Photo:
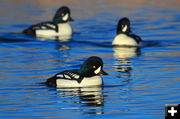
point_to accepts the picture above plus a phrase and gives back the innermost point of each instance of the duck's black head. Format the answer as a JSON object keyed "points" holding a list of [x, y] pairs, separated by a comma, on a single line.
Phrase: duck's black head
{"points": [[124, 26], [91, 67], [62, 15]]}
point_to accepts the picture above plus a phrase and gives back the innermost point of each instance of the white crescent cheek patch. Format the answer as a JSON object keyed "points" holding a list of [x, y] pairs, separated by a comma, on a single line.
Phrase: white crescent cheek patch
{"points": [[125, 28], [97, 70], [65, 18]]}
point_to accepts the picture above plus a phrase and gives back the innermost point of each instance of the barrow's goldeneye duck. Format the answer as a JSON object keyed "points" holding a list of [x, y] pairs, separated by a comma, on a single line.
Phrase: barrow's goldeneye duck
{"points": [[88, 75], [124, 34], [57, 27]]}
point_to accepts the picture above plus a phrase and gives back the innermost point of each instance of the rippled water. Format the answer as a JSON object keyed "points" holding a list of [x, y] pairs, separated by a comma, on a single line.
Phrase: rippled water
{"points": [[140, 81]]}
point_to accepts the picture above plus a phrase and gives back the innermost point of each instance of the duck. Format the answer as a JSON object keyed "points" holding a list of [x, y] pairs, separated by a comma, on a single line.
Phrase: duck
{"points": [[59, 25], [88, 75], [124, 35]]}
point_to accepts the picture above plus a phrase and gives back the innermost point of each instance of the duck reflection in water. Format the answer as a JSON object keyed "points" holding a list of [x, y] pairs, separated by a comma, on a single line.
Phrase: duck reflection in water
{"points": [[123, 54], [88, 96], [63, 38]]}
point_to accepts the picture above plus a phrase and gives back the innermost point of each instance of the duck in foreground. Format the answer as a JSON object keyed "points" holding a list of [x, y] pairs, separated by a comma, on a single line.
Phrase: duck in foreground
{"points": [[57, 27], [124, 34], [88, 75]]}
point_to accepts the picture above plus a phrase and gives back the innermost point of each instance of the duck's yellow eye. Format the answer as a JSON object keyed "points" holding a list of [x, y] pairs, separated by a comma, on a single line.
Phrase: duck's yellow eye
{"points": [[62, 14], [94, 67]]}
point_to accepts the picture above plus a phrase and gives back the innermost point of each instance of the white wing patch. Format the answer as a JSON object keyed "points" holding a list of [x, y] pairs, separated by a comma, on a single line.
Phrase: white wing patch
{"points": [[76, 76], [51, 25], [97, 70], [125, 28], [65, 18], [60, 75], [67, 77], [43, 27]]}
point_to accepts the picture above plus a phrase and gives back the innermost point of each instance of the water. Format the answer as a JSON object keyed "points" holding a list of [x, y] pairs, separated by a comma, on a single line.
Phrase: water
{"points": [[140, 81]]}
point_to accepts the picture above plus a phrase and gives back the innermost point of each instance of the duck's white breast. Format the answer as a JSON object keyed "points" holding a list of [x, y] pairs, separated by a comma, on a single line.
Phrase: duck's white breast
{"points": [[65, 29], [86, 82], [124, 40]]}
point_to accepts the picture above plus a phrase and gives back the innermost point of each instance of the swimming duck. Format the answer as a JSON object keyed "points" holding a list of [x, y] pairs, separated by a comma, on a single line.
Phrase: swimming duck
{"points": [[57, 27], [124, 34], [88, 75]]}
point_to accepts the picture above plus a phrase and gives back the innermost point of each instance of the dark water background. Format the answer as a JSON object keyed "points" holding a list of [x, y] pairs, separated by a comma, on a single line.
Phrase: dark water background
{"points": [[140, 81]]}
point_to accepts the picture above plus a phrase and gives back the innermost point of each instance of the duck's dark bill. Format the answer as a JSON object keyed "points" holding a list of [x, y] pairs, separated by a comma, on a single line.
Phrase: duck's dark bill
{"points": [[103, 73], [130, 31], [70, 19]]}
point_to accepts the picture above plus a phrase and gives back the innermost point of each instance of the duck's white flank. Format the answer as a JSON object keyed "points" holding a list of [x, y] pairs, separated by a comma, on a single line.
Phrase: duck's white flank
{"points": [[124, 40], [86, 82], [64, 29]]}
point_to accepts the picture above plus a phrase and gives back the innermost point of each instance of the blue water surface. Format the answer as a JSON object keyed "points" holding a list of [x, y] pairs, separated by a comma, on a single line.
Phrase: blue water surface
{"points": [[140, 81]]}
